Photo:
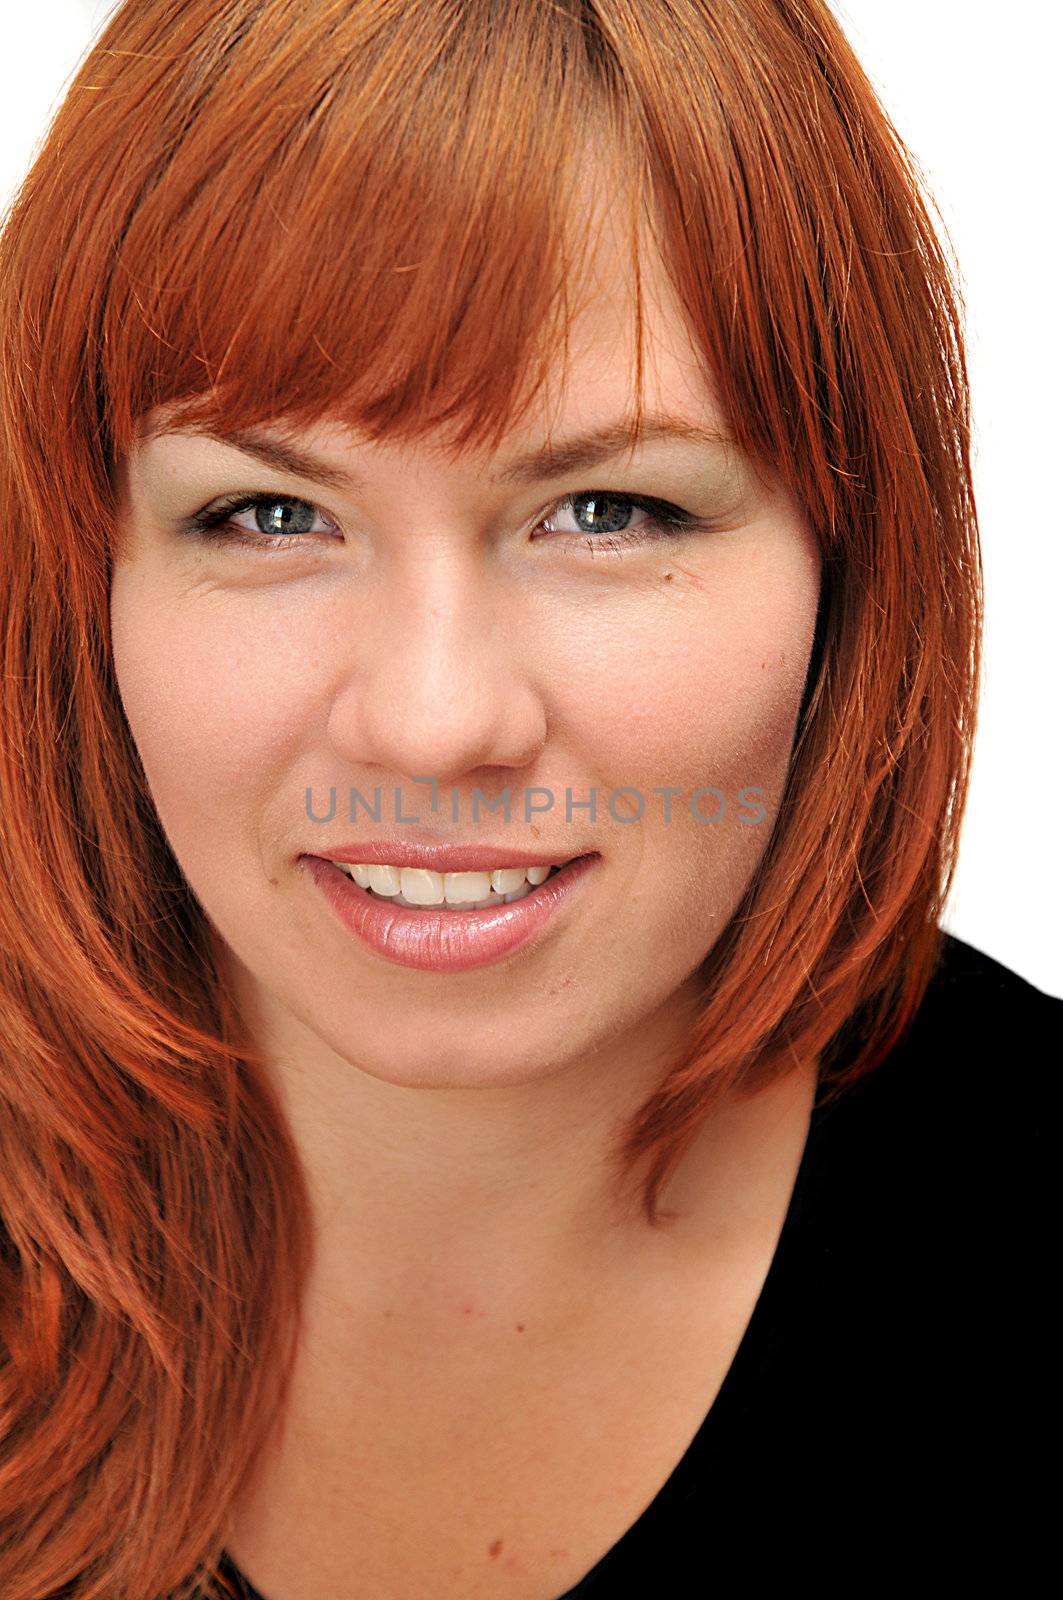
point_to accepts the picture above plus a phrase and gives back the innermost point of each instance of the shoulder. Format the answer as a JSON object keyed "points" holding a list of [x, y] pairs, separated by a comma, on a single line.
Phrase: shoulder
{"points": [[944, 1151], [983, 1048], [946, 1145], [975, 991]]}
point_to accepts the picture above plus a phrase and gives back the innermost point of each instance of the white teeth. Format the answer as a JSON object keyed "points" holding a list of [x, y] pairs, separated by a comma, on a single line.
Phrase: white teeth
{"points": [[385, 880], [415, 886]]}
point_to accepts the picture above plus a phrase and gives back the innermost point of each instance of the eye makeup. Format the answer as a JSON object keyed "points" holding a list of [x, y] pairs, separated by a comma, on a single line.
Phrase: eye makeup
{"points": [[215, 525]]}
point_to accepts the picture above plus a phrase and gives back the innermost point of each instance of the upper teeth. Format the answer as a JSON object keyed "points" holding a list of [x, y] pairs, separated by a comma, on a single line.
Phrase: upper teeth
{"points": [[423, 888]]}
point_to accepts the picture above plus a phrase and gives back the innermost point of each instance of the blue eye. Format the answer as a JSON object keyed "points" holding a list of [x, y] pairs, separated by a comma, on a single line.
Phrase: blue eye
{"points": [[283, 532], [283, 522], [604, 507]]}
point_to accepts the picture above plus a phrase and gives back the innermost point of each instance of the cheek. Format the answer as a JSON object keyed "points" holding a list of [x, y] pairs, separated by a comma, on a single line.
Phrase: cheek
{"points": [[701, 686], [697, 690], [213, 706]]}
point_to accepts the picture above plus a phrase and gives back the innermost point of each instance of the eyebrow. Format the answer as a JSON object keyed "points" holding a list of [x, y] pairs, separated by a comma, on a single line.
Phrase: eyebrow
{"points": [[582, 450], [604, 443]]}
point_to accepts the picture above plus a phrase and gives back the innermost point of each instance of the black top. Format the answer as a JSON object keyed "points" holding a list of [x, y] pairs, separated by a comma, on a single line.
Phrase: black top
{"points": [[887, 1407]]}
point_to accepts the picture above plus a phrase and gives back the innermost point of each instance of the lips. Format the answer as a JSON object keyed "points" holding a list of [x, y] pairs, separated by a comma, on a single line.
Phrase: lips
{"points": [[444, 857], [441, 940]]}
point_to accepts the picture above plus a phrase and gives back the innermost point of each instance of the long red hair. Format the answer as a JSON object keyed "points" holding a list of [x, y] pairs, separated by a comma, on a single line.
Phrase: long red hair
{"points": [[257, 208]]}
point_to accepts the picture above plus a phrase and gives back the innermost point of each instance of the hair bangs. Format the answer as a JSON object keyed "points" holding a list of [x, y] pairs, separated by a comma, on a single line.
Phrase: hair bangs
{"points": [[395, 252]]}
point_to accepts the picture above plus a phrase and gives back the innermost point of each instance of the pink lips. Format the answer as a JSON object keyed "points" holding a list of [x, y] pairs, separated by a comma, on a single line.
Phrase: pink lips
{"points": [[445, 941]]}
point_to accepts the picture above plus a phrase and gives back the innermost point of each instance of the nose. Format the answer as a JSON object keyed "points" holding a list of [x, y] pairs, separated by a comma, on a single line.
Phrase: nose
{"points": [[438, 685]]}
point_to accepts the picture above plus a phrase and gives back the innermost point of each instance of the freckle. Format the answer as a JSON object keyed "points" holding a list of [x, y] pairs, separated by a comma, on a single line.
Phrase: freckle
{"points": [[494, 1549], [667, 576], [520, 1327]]}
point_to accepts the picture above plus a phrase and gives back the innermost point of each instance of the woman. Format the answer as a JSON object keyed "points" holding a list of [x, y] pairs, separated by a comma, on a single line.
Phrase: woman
{"points": [[450, 448]]}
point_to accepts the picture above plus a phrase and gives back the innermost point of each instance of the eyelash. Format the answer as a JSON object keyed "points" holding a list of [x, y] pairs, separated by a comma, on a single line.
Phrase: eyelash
{"points": [[667, 521]]}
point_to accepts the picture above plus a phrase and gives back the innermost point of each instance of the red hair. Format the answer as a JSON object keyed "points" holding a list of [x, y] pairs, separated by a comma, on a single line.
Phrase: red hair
{"points": [[248, 209]]}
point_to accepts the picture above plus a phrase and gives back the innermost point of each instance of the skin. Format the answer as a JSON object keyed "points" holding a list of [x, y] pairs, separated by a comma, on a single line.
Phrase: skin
{"points": [[453, 1126]]}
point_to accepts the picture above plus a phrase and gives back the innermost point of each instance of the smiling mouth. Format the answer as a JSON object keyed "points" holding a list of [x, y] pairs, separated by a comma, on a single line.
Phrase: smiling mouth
{"points": [[490, 901]]}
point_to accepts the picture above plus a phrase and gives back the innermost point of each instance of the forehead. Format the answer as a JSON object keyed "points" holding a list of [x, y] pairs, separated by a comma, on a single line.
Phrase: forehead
{"points": [[601, 375]]}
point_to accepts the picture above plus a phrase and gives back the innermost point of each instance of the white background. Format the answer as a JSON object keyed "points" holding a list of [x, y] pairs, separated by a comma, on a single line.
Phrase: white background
{"points": [[972, 88]]}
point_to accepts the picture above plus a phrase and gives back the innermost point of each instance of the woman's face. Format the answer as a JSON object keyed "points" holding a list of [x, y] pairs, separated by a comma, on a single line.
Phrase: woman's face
{"points": [[440, 620]]}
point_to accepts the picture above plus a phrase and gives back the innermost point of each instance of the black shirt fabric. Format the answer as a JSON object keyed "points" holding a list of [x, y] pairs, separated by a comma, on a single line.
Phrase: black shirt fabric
{"points": [[887, 1414]]}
